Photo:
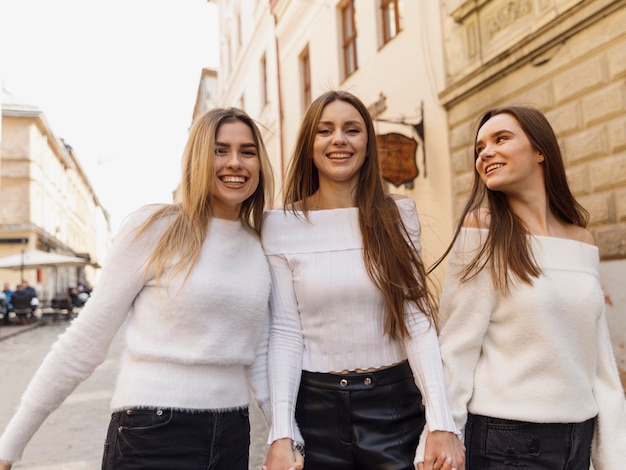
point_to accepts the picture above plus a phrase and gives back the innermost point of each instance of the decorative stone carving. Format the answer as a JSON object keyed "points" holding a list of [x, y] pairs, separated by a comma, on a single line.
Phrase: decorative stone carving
{"points": [[506, 15]]}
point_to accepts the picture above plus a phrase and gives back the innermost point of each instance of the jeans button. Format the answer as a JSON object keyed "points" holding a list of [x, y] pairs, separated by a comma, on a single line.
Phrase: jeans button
{"points": [[367, 381], [159, 412], [343, 382]]}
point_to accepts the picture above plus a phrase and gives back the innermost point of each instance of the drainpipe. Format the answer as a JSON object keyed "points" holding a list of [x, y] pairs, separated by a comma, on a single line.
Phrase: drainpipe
{"points": [[280, 95]]}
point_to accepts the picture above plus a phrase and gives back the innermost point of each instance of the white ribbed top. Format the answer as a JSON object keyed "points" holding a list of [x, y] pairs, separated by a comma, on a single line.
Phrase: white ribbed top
{"points": [[327, 315]]}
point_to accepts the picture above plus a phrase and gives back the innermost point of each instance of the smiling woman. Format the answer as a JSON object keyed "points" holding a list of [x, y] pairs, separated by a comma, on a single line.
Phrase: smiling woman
{"points": [[506, 160], [524, 335], [353, 341], [237, 167], [196, 342], [339, 150]]}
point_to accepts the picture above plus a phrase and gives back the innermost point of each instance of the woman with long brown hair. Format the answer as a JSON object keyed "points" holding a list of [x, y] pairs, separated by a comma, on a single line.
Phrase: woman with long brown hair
{"points": [[524, 339], [353, 343], [192, 283]]}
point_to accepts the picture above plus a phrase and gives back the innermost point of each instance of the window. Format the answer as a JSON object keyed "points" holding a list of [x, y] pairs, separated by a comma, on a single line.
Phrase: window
{"points": [[390, 19], [349, 38], [230, 53], [305, 78], [263, 73]]}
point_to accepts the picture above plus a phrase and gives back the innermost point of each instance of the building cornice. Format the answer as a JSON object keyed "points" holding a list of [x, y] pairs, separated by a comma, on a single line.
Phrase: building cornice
{"points": [[529, 49], [61, 149]]}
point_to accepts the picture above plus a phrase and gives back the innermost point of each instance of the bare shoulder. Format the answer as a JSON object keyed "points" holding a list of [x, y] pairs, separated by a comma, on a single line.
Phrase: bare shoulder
{"points": [[580, 234], [480, 218]]}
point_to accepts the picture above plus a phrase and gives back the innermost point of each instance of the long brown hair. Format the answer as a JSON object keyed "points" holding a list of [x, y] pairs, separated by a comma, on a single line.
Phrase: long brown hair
{"points": [[187, 230], [506, 248], [393, 264]]}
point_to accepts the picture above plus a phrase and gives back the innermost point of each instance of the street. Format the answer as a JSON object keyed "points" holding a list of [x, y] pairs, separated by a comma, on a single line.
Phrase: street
{"points": [[72, 437]]}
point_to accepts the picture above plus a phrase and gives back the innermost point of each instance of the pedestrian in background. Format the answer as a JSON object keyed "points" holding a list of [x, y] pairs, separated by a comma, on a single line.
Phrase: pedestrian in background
{"points": [[353, 343], [5, 296], [527, 354], [24, 302], [192, 283], [26, 287]]}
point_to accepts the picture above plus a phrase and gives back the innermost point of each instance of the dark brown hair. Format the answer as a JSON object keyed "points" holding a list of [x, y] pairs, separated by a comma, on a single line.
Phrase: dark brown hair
{"points": [[506, 248], [392, 262]]}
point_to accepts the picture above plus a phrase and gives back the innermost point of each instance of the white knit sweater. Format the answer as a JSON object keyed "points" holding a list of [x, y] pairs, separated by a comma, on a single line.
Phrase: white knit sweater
{"points": [[191, 346], [541, 354], [327, 315]]}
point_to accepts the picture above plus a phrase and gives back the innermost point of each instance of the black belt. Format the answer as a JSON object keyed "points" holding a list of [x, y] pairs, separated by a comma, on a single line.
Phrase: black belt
{"points": [[358, 380]]}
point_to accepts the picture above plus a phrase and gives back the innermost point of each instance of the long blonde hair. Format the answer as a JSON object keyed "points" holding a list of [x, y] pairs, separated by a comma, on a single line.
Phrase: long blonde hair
{"points": [[392, 263], [185, 233]]}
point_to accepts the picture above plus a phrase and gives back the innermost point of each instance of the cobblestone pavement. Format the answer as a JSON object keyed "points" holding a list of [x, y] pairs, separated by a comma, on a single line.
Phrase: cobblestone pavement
{"points": [[72, 437]]}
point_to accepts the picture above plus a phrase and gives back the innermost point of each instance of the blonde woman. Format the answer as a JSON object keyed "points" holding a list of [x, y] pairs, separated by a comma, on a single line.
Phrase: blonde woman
{"points": [[192, 283]]}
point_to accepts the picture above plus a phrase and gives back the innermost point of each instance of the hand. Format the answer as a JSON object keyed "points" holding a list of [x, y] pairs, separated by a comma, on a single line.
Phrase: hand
{"points": [[5, 465], [443, 463], [299, 465], [444, 451], [282, 456]]}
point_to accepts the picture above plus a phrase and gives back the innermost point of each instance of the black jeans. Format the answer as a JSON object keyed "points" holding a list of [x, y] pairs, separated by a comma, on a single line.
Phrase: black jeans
{"points": [[502, 444], [360, 421], [183, 440]]}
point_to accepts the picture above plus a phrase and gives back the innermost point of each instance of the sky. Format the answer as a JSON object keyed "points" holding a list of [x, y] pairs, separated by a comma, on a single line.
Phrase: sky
{"points": [[117, 81]]}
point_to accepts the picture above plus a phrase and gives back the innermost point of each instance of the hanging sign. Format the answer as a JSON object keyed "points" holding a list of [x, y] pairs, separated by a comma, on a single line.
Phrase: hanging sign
{"points": [[397, 158]]}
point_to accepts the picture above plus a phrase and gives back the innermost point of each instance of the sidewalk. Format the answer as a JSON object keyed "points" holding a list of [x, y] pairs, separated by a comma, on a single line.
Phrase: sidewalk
{"points": [[72, 436], [7, 331]]}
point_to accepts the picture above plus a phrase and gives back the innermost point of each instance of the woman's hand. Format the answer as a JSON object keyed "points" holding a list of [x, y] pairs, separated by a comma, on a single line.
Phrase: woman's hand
{"points": [[282, 456], [5, 466], [443, 463], [444, 451]]}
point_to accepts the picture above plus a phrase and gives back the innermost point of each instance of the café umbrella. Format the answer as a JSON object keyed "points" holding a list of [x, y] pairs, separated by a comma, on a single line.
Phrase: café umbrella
{"points": [[34, 259]]}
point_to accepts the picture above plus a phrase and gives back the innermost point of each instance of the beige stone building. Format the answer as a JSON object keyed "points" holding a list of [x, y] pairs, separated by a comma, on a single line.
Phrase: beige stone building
{"points": [[46, 201], [435, 66], [206, 97]]}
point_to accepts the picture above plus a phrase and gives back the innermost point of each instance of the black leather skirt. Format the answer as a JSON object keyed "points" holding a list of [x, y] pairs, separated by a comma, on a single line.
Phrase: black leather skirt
{"points": [[369, 420]]}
